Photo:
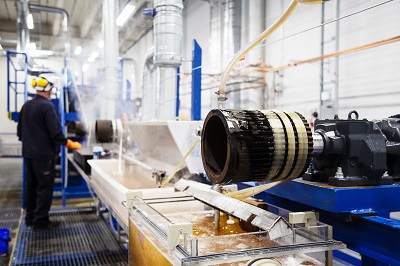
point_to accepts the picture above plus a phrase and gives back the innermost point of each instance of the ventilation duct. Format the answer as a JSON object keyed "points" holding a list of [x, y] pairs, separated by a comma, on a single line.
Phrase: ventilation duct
{"points": [[22, 25], [168, 32]]}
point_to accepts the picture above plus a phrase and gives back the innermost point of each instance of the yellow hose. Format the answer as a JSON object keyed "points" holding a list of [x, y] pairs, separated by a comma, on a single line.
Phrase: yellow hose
{"points": [[179, 164], [261, 37], [251, 191]]}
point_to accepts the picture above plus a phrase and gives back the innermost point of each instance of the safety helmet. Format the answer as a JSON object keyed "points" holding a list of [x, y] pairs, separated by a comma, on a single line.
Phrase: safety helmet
{"points": [[43, 83]]}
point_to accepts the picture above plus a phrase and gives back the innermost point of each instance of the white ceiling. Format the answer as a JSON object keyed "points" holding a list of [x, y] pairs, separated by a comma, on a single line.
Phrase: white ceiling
{"points": [[85, 24]]}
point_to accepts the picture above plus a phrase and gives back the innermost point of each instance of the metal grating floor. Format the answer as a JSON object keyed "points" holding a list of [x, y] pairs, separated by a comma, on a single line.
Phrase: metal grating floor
{"points": [[10, 198], [82, 239], [10, 209]]}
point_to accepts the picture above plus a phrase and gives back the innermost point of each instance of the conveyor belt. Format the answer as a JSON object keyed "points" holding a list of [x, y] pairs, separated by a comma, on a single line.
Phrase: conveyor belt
{"points": [[82, 239]]}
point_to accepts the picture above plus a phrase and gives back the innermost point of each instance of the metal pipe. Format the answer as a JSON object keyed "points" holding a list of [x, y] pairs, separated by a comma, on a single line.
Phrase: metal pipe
{"points": [[111, 49], [22, 26], [337, 30], [231, 42], [65, 15], [168, 32], [149, 97], [216, 34]]}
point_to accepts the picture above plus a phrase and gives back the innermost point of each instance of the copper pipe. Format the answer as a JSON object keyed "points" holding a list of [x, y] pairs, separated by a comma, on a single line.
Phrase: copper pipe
{"points": [[338, 53]]}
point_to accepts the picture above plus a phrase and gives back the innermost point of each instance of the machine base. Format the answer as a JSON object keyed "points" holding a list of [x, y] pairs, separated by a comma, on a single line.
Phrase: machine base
{"points": [[357, 181]]}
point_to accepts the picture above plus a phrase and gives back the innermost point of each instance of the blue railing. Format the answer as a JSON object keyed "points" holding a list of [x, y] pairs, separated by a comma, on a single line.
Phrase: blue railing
{"points": [[16, 82]]}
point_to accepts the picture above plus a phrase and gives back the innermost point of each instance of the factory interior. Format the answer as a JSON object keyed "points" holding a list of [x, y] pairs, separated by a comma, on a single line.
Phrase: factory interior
{"points": [[206, 132]]}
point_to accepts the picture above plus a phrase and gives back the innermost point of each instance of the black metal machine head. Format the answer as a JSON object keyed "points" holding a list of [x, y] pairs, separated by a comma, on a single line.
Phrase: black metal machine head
{"points": [[278, 145]]}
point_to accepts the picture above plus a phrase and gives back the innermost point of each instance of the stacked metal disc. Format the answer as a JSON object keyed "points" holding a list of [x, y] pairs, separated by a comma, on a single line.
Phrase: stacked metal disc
{"points": [[245, 145]]}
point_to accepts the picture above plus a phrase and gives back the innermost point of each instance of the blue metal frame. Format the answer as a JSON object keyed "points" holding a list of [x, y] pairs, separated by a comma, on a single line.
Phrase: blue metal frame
{"points": [[178, 100], [14, 83], [76, 191], [196, 81], [359, 215]]}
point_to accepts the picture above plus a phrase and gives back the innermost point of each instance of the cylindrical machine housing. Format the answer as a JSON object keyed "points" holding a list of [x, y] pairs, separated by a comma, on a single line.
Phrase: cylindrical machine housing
{"points": [[108, 131], [255, 145]]}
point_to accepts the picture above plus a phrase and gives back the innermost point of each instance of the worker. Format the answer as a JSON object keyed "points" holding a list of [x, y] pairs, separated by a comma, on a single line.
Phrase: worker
{"points": [[41, 134]]}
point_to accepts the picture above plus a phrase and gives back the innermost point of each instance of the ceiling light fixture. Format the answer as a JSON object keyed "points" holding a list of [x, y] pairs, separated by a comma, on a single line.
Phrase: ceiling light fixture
{"points": [[94, 55], [30, 22], [85, 67], [126, 13], [78, 50]]}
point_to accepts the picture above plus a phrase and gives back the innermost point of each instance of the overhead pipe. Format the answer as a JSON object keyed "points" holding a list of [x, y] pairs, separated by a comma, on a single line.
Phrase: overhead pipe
{"points": [[216, 34], [65, 20], [111, 64], [22, 26], [225, 75], [253, 98], [231, 41], [168, 33]]}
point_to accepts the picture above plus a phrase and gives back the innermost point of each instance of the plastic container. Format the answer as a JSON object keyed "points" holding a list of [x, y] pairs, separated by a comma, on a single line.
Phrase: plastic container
{"points": [[4, 239]]}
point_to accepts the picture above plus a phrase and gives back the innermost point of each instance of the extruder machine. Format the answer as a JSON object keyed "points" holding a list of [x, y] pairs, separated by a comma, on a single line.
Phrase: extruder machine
{"points": [[350, 171], [191, 221]]}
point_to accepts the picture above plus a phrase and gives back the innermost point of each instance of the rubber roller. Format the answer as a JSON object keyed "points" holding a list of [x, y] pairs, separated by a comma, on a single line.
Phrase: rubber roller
{"points": [[268, 145]]}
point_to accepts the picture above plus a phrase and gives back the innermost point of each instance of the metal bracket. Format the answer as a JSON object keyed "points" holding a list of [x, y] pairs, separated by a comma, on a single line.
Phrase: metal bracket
{"points": [[174, 232], [309, 218], [131, 196]]}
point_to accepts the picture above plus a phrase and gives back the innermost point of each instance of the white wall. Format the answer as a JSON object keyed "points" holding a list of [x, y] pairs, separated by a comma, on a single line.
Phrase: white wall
{"points": [[368, 80]]}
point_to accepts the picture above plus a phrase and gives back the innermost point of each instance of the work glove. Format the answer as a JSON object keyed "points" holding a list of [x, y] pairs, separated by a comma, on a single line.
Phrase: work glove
{"points": [[74, 145]]}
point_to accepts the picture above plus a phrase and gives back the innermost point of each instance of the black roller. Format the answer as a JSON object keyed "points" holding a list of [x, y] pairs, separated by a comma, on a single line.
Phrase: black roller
{"points": [[236, 146], [255, 145], [104, 131]]}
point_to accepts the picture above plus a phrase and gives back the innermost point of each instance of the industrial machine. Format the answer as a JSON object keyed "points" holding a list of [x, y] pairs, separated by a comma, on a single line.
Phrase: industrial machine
{"points": [[178, 224], [278, 145], [350, 170]]}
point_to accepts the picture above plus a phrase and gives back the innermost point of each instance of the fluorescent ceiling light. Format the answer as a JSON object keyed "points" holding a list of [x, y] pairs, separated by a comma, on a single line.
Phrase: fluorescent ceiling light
{"points": [[91, 59], [101, 44], [125, 14], [85, 67], [94, 55], [78, 50], [30, 22]]}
